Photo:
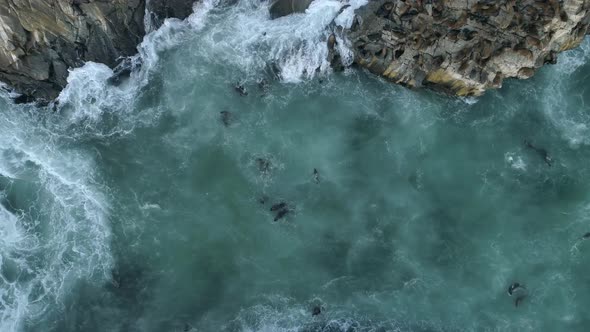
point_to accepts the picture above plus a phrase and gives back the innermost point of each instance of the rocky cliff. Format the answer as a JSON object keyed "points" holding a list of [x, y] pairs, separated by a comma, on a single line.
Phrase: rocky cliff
{"points": [[465, 46], [460, 46], [41, 39]]}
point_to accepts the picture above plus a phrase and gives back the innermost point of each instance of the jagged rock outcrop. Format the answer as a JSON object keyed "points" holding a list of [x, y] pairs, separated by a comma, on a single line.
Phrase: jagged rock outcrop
{"points": [[460, 46], [41, 39], [464, 46]]}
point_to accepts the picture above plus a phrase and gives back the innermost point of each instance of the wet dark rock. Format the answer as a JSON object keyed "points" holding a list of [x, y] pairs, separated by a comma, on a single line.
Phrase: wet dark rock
{"points": [[24, 99], [281, 8], [123, 71], [163, 9]]}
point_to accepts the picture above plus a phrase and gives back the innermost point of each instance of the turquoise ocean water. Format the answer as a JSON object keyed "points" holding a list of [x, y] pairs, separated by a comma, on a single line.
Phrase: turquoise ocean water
{"points": [[136, 208]]}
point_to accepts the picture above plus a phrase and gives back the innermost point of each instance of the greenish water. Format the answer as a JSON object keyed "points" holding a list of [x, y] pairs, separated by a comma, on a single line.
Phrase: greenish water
{"points": [[134, 208]]}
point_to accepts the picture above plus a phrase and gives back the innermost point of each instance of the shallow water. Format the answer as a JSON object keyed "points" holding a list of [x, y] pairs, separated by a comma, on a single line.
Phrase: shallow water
{"points": [[134, 208]]}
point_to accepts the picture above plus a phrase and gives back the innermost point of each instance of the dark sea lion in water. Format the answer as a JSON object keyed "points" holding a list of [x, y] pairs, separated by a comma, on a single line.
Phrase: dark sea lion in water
{"points": [[282, 209], [278, 206], [262, 200], [540, 151], [264, 165], [226, 118], [514, 287], [586, 236], [316, 310], [316, 176], [282, 213], [240, 89]]}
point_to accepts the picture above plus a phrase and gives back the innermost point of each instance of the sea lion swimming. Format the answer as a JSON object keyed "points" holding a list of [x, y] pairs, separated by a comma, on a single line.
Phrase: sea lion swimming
{"points": [[263, 199], [316, 176], [316, 310], [240, 89], [281, 209], [264, 165], [514, 287], [226, 117], [519, 290], [281, 214], [278, 206], [540, 151]]}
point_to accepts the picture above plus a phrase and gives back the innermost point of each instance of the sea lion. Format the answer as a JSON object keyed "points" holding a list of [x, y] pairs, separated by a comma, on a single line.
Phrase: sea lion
{"points": [[264, 165], [331, 41], [281, 214], [263, 199], [226, 118], [316, 176], [278, 206], [586, 236], [316, 310], [241, 89], [514, 287], [540, 151]]}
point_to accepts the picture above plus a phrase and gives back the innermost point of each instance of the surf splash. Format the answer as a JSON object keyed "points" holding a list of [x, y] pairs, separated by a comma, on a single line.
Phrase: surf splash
{"points": [[54, 227]]}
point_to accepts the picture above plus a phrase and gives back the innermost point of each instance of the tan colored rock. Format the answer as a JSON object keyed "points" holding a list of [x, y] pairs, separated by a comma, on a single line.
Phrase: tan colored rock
{"points": [[466, 47]]}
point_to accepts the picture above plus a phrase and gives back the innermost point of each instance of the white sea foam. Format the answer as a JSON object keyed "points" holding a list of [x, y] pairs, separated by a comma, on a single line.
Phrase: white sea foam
{"points": [[58, 234], [515, 161], [571, 116], [297, 43]]}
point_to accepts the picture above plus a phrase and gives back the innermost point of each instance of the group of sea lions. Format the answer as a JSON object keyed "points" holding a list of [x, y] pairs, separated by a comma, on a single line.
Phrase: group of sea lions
{"points": [[516, 288], [281, 208]]}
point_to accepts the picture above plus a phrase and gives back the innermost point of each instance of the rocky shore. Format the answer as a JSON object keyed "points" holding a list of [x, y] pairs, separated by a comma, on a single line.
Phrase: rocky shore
{"points": [[458, 46], [465, 47], [41, 39]]}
